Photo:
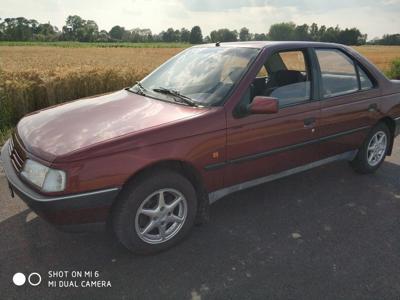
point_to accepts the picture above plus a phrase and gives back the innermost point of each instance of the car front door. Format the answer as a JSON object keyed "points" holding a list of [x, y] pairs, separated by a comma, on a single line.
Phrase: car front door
{"points": [[348, 102], [259, 145]]}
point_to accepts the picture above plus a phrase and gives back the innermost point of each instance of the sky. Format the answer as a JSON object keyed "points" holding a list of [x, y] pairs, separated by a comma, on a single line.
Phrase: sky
{"points": [[374, 17]]}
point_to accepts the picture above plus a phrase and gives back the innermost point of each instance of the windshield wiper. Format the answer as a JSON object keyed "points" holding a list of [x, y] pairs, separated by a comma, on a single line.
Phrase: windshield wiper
{"points": [[172, 92]]}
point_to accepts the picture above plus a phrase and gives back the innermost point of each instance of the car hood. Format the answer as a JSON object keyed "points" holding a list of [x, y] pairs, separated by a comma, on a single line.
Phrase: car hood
{"points": [[60, 130]]}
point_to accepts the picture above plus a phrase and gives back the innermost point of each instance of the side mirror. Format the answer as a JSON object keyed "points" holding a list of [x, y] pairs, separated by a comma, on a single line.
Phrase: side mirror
{"points": [[264, 105]]}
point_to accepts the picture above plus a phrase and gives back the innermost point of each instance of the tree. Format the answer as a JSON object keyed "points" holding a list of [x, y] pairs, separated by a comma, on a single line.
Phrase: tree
{"points": [[73, 27], [260, 37], [117, 32], [314, 34], [351, 36], [103, 36], [301, 33], [18, 29], [244, 34], [330, 35], [321, 32], [90, 31], [223, 35], [196, 37], [78, 29], [22, 29], [389, 39], [282, 32], [362, 40], [177, 36], [46, 32], [141, 35], [170, 35], [185, 35], [45, 29]]}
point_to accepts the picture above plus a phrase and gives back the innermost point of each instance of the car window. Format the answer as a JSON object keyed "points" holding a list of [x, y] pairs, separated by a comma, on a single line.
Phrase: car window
{"points": [[262, 73], [294, 60], [204, 74], [288, 78], [365, 82], [338, 73]]}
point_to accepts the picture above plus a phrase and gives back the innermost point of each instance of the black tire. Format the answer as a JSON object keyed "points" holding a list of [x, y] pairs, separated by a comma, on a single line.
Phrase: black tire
{"points": [[361, 163], [125, 219]]}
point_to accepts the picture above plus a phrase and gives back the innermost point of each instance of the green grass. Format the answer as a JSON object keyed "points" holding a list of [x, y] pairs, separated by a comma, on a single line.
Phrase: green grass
{"points": [[5, 133], [98, 45], [394, 70]]}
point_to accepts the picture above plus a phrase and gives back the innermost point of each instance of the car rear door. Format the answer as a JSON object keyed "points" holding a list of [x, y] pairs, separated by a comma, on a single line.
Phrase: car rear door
{"points": [[260, 145], [348, 101]]}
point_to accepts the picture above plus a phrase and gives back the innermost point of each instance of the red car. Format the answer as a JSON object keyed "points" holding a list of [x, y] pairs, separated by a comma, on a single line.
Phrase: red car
{"points": [[212, 120]]}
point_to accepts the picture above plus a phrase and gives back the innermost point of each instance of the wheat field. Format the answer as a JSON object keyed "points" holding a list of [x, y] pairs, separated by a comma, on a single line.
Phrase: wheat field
{"points": [[51, 61], [33, 77]]}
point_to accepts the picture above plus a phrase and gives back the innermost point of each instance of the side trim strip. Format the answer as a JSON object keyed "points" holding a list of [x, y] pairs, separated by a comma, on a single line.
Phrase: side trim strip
{"points": [[271, 152], [83, 195], [329, 137], [215, 166], [282, 149], [216, 195]]}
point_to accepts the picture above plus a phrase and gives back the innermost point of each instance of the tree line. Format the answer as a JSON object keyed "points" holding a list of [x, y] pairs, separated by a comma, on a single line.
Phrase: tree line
{"points": [[79, 29], [387, 39]]}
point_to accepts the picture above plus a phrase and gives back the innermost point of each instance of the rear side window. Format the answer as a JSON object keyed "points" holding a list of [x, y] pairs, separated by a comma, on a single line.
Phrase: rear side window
{"points": [[338, 73], [294, 60], [262, 73], [365, 82]]}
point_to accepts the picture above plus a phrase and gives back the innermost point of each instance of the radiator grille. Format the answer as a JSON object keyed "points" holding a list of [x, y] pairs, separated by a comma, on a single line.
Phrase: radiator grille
{"points": [[17, 154]]}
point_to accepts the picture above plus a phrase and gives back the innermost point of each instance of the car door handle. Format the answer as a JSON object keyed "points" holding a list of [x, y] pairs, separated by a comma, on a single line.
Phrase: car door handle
{"points": [[373, 107], [309, 122]]}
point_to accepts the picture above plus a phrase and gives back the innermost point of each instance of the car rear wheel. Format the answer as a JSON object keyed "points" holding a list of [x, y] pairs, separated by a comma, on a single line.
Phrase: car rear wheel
{"points": [[155, 212], [373, 151]]}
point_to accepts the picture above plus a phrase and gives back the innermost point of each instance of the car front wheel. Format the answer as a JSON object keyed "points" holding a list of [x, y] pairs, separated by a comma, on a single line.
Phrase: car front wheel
{"points": [[373, 151], [155, 213]]}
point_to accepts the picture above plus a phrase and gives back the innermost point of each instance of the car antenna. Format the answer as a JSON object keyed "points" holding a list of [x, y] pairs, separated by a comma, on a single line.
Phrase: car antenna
{"points": [[217, 44]]}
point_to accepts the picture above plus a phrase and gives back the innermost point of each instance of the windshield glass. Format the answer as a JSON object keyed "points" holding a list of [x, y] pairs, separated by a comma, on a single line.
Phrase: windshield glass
{"points": [[205, 75]]}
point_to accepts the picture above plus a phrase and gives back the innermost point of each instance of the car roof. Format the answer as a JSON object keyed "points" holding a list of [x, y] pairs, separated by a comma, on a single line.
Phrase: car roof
{"points": [[268, 44]]}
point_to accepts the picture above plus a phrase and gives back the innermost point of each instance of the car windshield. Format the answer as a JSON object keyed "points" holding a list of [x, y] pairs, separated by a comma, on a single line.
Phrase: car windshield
{"points": [[202, 75]]}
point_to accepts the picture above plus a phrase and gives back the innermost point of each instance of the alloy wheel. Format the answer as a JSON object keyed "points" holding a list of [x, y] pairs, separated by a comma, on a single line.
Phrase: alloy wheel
{"points": [[376, 148], [161, 216]]}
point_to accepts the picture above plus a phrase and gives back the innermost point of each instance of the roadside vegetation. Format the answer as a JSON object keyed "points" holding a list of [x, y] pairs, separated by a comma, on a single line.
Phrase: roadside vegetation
{"points": [[394, 69]]}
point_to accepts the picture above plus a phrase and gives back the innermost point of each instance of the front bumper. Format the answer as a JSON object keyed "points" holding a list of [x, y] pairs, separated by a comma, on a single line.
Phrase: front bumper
{"points": [[85, 208]]}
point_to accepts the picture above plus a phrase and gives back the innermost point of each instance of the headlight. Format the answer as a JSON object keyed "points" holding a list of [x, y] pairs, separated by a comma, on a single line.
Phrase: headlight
{"points": [[49, 180]]}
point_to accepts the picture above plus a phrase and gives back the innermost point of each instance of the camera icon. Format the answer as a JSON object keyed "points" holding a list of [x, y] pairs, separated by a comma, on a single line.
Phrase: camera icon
{"points": [[34, 279]]}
